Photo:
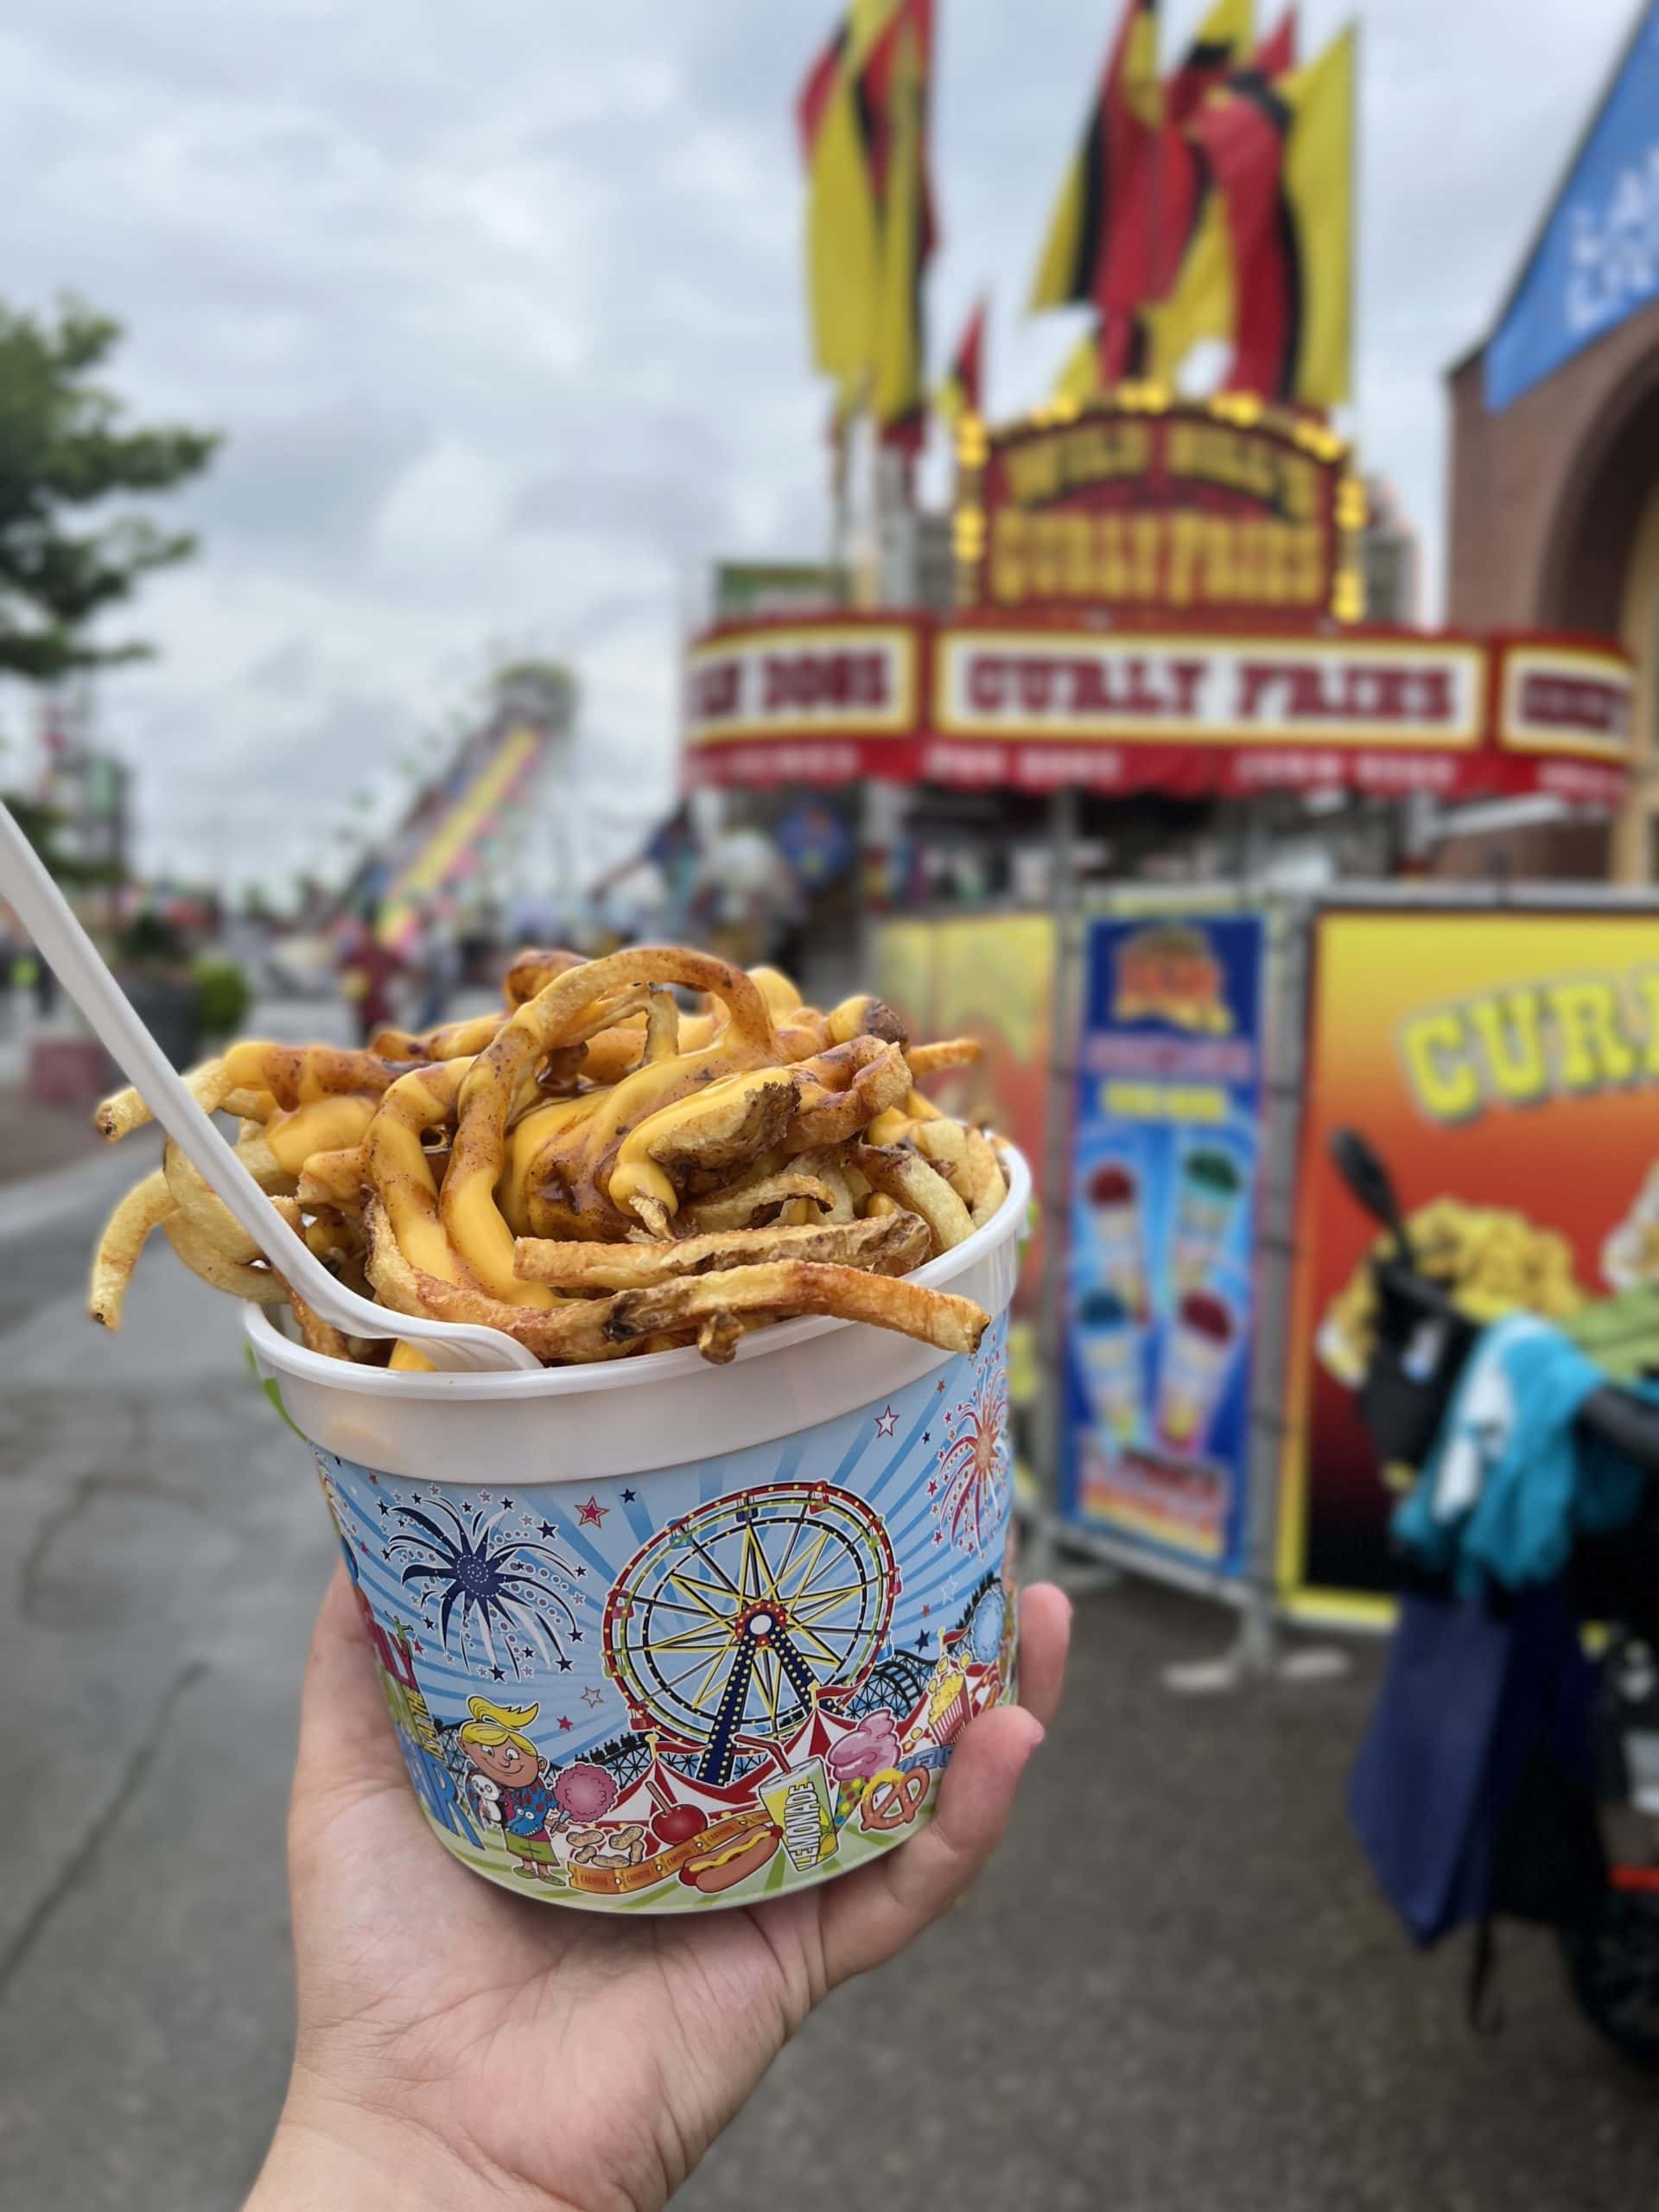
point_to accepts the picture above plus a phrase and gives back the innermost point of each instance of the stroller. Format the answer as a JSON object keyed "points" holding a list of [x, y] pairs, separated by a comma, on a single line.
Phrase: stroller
{"points": [[1610, 1938]]}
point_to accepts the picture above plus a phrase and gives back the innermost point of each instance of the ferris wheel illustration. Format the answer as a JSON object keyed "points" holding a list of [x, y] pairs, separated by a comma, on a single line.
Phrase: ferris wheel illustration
{"points": [[734, 1622]]}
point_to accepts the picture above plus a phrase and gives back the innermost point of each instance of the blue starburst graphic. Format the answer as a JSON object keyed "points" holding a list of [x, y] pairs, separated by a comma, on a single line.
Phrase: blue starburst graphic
{"points": [[493, 1576]]}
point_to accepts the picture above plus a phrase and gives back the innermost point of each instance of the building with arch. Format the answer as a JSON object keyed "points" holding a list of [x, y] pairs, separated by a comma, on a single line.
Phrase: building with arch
{"points": [[1554, 464]]}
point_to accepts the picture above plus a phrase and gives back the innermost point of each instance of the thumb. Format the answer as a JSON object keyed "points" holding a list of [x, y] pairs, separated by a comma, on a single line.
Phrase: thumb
{"points": [[346, 1743], [875, 1913]]}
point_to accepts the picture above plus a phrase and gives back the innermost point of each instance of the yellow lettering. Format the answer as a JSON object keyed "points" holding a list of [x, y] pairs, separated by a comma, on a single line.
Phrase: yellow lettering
{"points": [[1645, 983], [1299, 495], [1185, 537], [1436, 1052], [1223, 546], [1594, 1051], [1115, 574], [1009, 533], [1034, 471], [1511, 1041]]}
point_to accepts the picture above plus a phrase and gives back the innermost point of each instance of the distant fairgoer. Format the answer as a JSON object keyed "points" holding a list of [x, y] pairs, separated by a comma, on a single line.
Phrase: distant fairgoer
{"points": [[439, 967], [367, 975]]}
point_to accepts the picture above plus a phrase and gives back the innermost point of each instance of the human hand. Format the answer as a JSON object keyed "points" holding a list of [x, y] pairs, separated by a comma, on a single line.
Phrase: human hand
{"points": [[459, 2047]]}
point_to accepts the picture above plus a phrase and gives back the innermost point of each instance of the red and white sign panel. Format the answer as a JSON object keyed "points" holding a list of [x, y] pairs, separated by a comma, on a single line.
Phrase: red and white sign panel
{"points": [[976, 704], [1041, 685], [852, 679], [1567, 699]]}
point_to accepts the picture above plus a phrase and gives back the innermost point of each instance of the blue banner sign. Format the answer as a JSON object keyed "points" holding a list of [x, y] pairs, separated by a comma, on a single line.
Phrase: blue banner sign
{"points": [[1160, 1274], [1597, 261]]}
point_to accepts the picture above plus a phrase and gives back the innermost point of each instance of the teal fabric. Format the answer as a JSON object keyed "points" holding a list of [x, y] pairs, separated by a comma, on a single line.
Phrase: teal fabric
{"points": [[1510, 1484]]}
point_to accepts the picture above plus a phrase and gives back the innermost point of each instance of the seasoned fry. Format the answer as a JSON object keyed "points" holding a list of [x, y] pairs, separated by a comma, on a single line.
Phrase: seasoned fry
{"points": [[949, 1052], [636, 1267], [906, 1176], [144, 1208], [966, 1161], [205, 1258], [797, 1286], [844, 1088], [586, 1143], [322, 1336], [737, 1205], [591, 1170], [335, 1179], [124, 1111], [719, 1338]]}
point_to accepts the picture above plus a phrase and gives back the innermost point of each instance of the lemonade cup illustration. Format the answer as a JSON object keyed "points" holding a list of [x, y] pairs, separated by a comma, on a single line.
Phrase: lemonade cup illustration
{"points": [[1109, 1347], [1211, 1187], [800, 1807], [1200, 1351], [1115, 1210]]}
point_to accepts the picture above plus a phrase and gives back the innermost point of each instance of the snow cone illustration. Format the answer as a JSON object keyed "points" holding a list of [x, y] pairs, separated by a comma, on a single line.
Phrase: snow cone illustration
{"points": [[1200, 1352], [1114, 1209], [1211, 1187], [1109, 1345]]}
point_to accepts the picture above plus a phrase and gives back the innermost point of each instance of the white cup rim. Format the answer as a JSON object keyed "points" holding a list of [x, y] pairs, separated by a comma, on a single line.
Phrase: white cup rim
{"points": [[273, 1350]]}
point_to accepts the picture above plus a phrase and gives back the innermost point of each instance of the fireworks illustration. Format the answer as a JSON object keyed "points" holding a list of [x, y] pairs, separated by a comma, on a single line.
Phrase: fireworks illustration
{"points": [[974, 1464], [503, 1584]]}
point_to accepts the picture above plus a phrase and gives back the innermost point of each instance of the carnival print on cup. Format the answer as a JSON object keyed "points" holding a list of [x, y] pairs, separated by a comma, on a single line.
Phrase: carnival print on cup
{"points": [[705, 1684]]}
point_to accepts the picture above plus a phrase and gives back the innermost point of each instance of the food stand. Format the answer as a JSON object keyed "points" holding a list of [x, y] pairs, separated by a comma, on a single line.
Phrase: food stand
{"points": [[1158, 600]]}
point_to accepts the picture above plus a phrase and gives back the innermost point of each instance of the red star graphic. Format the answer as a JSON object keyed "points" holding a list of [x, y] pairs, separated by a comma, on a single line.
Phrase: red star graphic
{"points": [[939, 1387], [374, 1478], [592, 1514], [419, 1646], [565, 1722], [933, 1489], [926, 1610]]}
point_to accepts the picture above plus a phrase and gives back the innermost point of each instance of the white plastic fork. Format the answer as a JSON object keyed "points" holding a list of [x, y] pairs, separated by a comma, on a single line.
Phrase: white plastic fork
{"points": [[457, 1347]]}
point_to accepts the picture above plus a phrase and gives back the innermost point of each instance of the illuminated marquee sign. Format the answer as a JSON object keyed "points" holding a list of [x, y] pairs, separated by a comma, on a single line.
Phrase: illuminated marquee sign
{"points": [[982, 704], [1154, 510]]}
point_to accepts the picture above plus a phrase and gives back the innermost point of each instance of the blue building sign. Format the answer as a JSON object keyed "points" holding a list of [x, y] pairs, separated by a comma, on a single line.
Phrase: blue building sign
{"points": [[1597, 261]]}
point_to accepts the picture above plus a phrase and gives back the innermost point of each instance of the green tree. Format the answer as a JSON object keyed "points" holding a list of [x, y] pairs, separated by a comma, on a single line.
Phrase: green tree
{"points": [[67, 453]]}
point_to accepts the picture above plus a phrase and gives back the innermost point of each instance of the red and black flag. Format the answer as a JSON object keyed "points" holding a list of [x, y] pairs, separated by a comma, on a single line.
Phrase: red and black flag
{"points": [[893, 95], [1280, 155], [1276, 55], [963, 392], [1096, 251], [1175, 191], [1220, 45]]}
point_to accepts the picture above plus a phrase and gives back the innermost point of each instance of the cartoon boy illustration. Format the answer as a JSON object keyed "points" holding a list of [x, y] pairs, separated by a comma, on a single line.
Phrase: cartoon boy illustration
{"points": [[510, 1783]]}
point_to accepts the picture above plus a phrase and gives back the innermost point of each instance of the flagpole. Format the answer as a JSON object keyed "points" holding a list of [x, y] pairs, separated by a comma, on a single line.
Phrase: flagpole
{"points": [[1354, 197]]}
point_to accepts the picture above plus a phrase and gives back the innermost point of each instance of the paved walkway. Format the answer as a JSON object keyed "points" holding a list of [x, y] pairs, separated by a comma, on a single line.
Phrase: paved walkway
{"points": [[1176, 1992]]}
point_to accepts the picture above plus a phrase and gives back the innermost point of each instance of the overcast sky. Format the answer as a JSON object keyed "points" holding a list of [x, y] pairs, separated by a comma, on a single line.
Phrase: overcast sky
{"points": [[498, 306]]}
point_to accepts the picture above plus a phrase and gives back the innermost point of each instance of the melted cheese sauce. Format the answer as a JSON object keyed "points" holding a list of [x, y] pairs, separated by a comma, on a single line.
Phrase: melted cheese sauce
{"points": [[327, 1125]]}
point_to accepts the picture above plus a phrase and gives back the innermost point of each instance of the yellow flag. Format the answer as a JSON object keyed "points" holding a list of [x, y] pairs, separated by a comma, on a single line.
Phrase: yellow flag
{"points": [[1202, 303], [865, 21], [1318, 193], [841, 242], [1079, 379], [899, 391]]}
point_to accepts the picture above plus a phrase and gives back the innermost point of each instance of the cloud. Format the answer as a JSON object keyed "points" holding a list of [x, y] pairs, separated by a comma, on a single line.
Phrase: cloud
{"points": [[499, 308]]}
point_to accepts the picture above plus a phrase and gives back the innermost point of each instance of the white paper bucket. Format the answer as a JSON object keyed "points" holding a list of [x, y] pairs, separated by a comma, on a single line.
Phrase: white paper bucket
{"points": [[628, 1615]]}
